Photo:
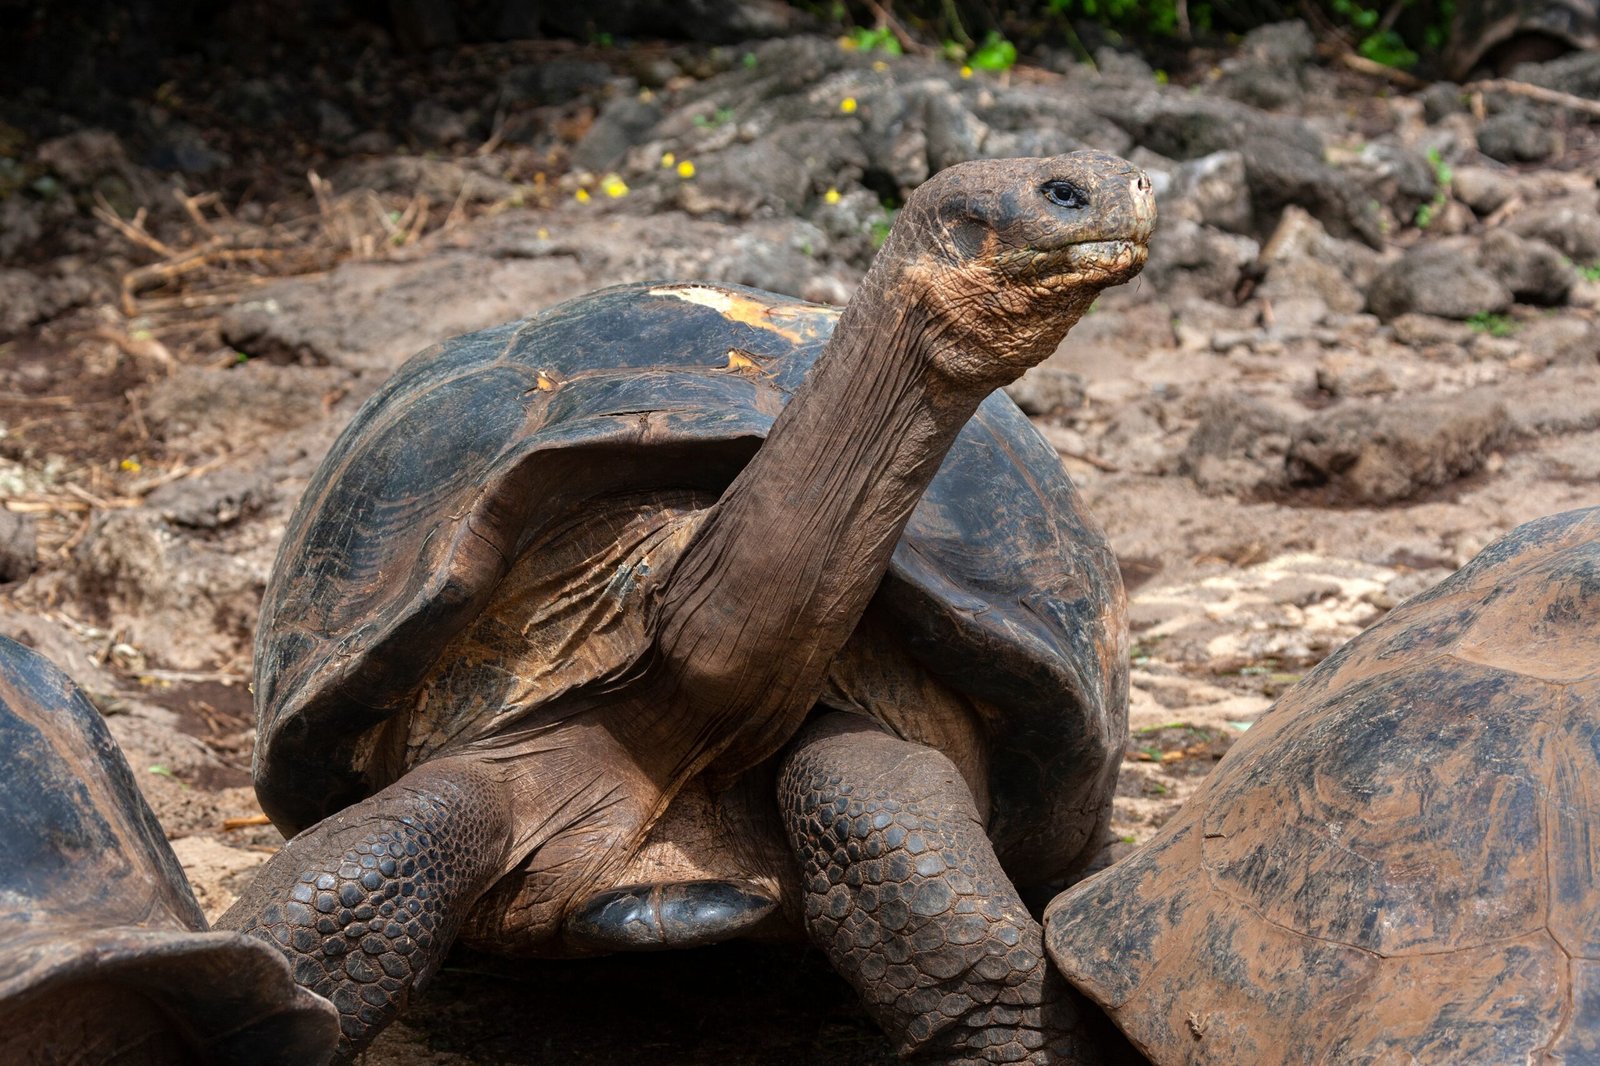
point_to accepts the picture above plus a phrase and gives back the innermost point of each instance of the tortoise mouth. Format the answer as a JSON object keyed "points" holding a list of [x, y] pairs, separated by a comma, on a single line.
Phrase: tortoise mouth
{"points": [[1102, 258]]}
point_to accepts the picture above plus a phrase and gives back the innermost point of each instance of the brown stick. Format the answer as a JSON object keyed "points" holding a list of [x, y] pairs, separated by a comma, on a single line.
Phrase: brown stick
{"points": [[1535, 92]]}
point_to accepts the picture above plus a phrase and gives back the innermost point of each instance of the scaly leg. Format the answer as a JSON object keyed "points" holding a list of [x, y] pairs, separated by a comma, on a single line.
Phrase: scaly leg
{"points": [[366, 903], [904, 893]]}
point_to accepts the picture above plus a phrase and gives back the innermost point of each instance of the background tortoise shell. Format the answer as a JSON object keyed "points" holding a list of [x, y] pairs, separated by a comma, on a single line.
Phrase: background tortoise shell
{"points": [[1398, 861], [1001, 585], [103, 951]]}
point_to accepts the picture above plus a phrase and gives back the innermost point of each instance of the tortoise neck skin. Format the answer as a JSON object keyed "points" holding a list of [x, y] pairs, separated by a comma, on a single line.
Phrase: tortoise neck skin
{"points": [[987, 267]]}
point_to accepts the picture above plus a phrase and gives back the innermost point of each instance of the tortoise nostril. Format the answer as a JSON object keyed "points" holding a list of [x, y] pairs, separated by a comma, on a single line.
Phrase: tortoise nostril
{"points": [[1142, 183]]}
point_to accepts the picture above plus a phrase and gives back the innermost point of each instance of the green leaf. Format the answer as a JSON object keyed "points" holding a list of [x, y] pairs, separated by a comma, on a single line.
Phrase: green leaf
{"points": [[995, 53]]}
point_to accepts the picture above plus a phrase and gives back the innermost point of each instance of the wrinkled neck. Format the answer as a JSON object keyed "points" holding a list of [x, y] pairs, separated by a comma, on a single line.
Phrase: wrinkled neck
{"points": [[786, 561]]}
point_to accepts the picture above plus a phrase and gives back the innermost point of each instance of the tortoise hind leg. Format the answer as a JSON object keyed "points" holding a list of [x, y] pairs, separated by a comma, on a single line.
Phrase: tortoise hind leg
{"points": [[366, 903], [904, 893]]}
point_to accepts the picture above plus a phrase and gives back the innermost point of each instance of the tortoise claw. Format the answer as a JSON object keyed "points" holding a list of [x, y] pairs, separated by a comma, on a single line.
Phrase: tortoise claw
{"points": [[686, 914]]}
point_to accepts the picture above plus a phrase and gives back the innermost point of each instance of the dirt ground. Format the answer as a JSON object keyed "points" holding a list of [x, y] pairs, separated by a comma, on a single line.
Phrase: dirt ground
{"points": [[202, 343]]}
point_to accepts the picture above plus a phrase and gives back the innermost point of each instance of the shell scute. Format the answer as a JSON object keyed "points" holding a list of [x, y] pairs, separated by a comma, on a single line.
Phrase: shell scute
{"points": [[1403, 844]]}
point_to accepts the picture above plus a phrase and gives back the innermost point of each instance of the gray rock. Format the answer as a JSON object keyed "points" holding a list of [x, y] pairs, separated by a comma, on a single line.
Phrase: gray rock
{"points": [[435, 125], [1419, 330], [1578, 73], [555, 80], [1535, 272], [184, 603], [1440, 100], [1267, 70], [1562, 400], [442, 181], [1238, 446], [213, 501], [714, 21], [19, 545], [1046, 390], [625, 121], [80, 158], [1214, 191], [1561, 340], [1483, 189], [28, 297], [1126, 67], [1383, 453], [1353, 374], [1436, 278], [1191, 259], [211, 410], [1282, 174], [1283, 157], [374, 315], [1399, 178], [1571, 223], [1519, 135]]}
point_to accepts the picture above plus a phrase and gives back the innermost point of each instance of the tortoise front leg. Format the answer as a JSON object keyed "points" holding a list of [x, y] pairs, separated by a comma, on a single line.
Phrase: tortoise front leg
{"points": [[904, 893], [366, 903]]}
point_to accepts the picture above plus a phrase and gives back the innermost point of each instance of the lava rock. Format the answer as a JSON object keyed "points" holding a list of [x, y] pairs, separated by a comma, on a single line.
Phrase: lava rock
{"points": [[19, 545], [1519, 135], [1238, 446], [1353, 374], [1046, 390], [1570, 223], [1436, 278], [213, 501], [1535, 272], [1213, 190], [1268, 69], [624, 122], [1383, 453], [1561, 341], [1483, 189]]}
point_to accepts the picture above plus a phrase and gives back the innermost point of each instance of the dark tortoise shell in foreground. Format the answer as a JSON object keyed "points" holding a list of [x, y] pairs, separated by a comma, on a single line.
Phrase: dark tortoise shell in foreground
{"points": [[104, 957]]}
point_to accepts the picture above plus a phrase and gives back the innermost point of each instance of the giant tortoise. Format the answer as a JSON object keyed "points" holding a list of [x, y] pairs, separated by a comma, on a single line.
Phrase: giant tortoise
{"points": [[1398, 862], [679, 612], [104, 958]]}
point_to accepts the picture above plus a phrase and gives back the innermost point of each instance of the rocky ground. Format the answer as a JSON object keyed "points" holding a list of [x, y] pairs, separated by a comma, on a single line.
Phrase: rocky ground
{"points": [[1366, 344]]}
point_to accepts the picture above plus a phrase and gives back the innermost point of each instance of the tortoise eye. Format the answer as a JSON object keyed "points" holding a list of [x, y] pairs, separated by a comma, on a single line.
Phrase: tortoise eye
{"points": [[1065, 194]]}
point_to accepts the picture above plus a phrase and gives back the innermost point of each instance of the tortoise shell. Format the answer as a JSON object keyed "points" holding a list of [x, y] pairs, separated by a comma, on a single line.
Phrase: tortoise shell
{"points": [[1002, 585], [1398, 862], [103, 951]]}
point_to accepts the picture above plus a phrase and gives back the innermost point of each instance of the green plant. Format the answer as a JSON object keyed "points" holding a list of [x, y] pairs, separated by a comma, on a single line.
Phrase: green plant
{"points": [[1590, 272], [881, 39], [1442, 177], [1492, 323], [721, 117], [880, 229], [995, 53]]}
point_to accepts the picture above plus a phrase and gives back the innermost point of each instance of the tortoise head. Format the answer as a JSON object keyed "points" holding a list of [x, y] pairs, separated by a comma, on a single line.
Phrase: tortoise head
{"points": [[1004, 255]]}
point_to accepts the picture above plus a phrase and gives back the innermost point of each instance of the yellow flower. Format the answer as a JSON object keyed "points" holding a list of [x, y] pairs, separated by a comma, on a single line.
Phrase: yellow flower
{"points": [[848, 105], [131, 466], [582, 196], [966, 72], [667, 159], [879, 65], [544, 234], [685, 169], [831, 196], [614, 186]]}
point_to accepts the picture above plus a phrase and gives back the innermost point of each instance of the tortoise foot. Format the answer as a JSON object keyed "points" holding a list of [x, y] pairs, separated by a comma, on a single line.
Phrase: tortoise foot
{"points": [[687, 914], [905, 894], [365, 904]]}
